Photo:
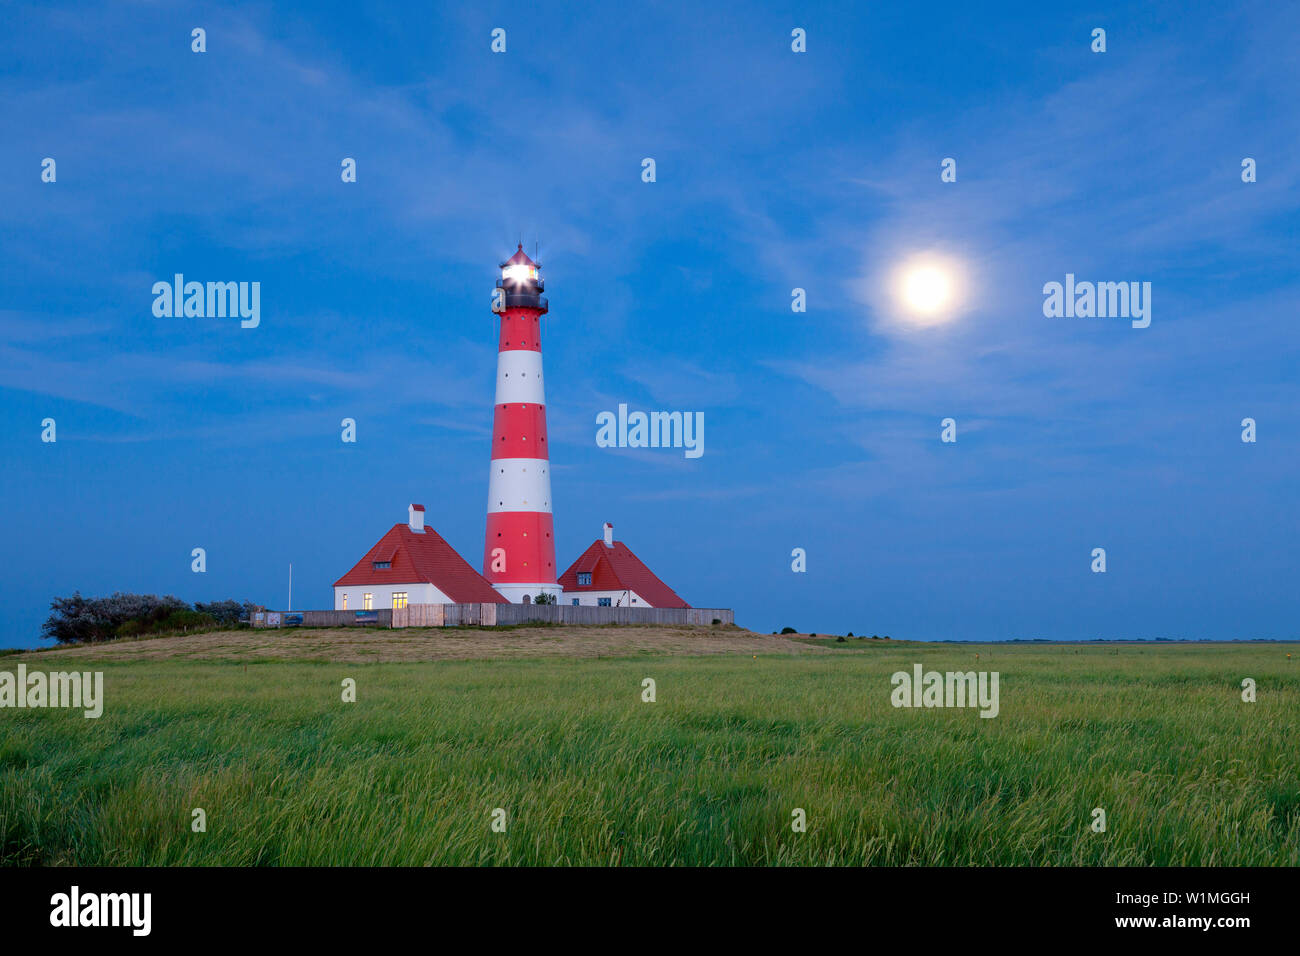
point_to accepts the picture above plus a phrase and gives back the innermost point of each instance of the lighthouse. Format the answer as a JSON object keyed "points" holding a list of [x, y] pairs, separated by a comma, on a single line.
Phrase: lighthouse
{"points": [[519, 544]]}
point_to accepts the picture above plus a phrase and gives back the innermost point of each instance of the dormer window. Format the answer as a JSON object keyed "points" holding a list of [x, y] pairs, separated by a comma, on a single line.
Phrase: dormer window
{"points": [[584, 579], [381, 565]]}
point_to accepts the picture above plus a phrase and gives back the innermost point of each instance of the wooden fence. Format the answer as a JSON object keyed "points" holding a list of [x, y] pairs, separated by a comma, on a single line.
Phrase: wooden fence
{"points": [[380, 618], [452, 615], [445, 615], [487, 615]]}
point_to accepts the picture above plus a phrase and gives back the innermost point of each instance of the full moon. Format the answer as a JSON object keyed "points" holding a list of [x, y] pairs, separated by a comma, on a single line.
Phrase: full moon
{"points": [[927, 289]]}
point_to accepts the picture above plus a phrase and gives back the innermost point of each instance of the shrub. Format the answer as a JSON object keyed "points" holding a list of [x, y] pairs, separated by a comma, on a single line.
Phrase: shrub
{"points": [[850, 633], [182, 620], [840, 640], [186, 620], [80, 620], [225, 612], [787, 630]]}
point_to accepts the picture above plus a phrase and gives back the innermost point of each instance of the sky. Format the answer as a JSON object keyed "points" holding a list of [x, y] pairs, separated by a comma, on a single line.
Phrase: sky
{"points": [[775, 170]]}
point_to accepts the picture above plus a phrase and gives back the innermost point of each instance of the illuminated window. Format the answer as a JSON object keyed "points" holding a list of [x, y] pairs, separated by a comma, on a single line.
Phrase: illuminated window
{"points": [[367, 602], [399, 599], [584, 579], [345, 602]]}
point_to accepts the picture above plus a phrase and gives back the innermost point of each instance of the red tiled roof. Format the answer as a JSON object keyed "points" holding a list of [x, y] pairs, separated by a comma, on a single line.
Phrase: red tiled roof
{"points": [[618, 569], [422, 559]]}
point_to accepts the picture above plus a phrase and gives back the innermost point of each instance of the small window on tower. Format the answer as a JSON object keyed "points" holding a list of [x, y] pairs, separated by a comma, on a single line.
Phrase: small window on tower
{"points": [[584, 579]]}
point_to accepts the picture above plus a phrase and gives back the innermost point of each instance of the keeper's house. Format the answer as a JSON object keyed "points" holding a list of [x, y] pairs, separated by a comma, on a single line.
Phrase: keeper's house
{"points": [[412, 564], [608, 574]]}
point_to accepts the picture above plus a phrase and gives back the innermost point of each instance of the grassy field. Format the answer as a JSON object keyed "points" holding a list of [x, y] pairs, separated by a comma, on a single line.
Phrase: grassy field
{"points": [[587, 773]]}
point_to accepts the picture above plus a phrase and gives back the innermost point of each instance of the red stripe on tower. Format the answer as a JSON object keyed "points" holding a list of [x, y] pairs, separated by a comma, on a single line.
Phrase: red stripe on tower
{"points": [[519, 431], [519, 546]]}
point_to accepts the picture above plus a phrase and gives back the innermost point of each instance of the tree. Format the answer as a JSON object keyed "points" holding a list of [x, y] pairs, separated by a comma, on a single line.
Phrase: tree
{"points": [[544, 599]]}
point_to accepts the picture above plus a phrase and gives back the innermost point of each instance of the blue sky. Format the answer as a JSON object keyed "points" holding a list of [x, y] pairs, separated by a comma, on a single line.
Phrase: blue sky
{"points": [[775, 170]]}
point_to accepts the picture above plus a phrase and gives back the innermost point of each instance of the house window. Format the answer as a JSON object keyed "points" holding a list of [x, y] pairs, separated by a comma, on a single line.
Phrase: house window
{"points": [[381, 565], [345, 602], [399, 599], [584, 579], [604, 602], [575, 602], [367, 602]]}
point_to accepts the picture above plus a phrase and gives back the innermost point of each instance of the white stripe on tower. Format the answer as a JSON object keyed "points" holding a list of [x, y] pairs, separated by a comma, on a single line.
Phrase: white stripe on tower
{"points": [[519, 378], [520, 484]]}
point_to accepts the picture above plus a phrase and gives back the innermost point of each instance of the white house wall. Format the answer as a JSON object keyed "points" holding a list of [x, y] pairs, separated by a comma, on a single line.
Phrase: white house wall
{"points": [[592, 598], [382, 595]]}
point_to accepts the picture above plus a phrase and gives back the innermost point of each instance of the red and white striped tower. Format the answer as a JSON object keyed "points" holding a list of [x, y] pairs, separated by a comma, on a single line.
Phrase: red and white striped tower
{"points": [[519, 546]]}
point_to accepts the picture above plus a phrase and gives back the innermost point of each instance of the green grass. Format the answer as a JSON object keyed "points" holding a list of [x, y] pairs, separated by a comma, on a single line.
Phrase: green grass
{"points": [[289, 775]]}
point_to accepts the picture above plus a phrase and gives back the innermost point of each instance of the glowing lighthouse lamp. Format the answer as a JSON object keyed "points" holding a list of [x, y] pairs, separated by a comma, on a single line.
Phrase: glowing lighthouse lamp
{"points": [[519, 544], [517, 273]]}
